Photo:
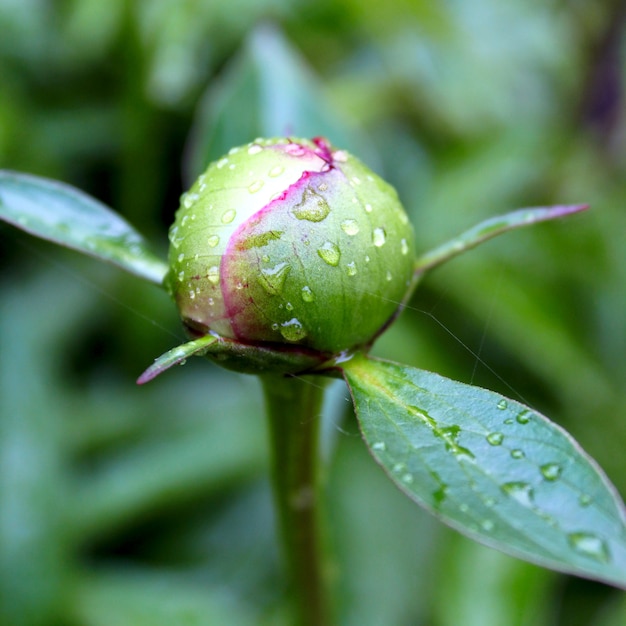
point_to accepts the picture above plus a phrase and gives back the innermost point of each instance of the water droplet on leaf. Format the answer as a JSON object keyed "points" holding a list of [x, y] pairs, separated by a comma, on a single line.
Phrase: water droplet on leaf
{"points": [[502, 404], [495, 439], [277, 170], [523, 417], [379, 445], [522, 492], [213, 240], [590, 545], [351, 269], [551, 471], [517, 454], [404, 246]]}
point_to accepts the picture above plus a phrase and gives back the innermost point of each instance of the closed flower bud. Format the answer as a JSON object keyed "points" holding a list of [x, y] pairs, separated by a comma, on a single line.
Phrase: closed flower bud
{"points": [[290, 243]]}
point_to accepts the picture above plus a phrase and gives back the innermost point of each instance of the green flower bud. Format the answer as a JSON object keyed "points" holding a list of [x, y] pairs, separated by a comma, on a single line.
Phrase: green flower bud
{"points": [[290, 243]]}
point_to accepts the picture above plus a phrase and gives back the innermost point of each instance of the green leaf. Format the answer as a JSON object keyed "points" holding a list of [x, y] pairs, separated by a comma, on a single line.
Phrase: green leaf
{"points": [[62, 214], [490, 228], [267, 91], [491, 468]]}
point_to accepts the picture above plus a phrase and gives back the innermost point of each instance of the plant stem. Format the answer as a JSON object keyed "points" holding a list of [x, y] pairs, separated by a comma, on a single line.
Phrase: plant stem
{"points": [[293, 408]]}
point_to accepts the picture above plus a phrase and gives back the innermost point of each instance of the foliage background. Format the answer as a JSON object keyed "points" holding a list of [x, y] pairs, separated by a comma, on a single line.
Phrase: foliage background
{"points": [[122, 505]]}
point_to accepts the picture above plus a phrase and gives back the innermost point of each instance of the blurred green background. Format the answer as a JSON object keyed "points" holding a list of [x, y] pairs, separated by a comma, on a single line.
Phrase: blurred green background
{"points": [[126, 506]]}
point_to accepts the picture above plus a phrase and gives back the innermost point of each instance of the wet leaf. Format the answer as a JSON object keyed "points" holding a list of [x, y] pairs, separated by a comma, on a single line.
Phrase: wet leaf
{"points": [[491, 468], [62, 214]]}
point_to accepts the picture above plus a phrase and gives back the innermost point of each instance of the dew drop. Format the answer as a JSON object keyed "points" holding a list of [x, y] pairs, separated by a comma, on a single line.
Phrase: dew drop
{"points": [[367, 259], [523, 417], [379, 237], [399, 467], [213, 240], [351, 269], [379, 445], [277, 170], [228, 216], [495, 439], [185, 217], [181, 276], [585, 500], [213, 274], [487, 525], [273, 278], [181, 257], [517, 454], [389, 276], [292, 330], [289, 306], [404, 247], [254, 149], [464, 508], [368, 208], [551, 471], [307, 294], [192, 294], [407, 478], [589, 545], [522, 492], [330, 253], [503, 404], [350, 227], [221, 163], [256, 185], [312, 208]]}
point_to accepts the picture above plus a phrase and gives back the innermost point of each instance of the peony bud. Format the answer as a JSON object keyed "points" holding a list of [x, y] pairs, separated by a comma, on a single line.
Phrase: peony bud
{"points": [[290, 243]]}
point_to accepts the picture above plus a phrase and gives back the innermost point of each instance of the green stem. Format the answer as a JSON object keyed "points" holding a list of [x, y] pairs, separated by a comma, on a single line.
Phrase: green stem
{"points": [[293, 408]]}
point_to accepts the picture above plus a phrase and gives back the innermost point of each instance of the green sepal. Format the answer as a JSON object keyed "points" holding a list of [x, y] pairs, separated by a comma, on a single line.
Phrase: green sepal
{"points": [[176, 356]]}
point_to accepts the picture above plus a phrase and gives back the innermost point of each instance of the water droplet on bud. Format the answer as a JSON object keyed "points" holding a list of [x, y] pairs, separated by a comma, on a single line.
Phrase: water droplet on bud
{"points": [[351, 269], [273, 278], [292, 330], [350, 227], [255, 186], [313, 207], [379, 237], [307, 294], [213, 274], [330, 253], [277, 170], [228, 216]]}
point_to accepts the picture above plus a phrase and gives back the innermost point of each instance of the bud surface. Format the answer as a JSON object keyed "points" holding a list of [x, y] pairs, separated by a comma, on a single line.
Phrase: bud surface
{"points": [[290, 242]]}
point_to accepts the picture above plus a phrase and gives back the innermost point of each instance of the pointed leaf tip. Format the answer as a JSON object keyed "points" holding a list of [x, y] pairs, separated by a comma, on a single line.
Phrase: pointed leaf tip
{"points": [[176, 356]]}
